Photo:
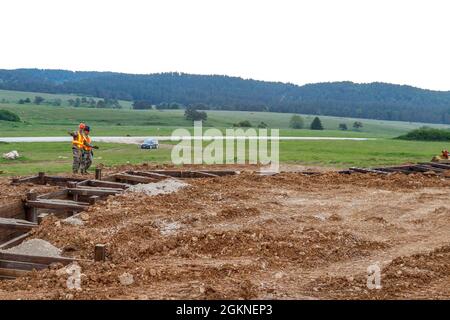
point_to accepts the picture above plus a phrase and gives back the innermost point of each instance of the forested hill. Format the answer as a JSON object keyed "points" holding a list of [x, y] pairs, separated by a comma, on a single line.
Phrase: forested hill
{"points": [[375, 100]]}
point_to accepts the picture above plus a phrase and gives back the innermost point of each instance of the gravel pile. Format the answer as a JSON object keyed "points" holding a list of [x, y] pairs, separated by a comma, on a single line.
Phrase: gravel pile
{"points": [[152, 189], [35, 247]]}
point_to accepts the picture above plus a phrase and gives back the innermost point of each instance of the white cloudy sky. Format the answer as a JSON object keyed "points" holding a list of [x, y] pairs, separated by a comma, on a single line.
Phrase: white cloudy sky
{"points": [[398, 41]]}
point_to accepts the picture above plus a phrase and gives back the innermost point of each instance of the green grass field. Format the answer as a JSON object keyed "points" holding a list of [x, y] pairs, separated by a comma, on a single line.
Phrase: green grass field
{"points": [[46, 120], [55, 157]]}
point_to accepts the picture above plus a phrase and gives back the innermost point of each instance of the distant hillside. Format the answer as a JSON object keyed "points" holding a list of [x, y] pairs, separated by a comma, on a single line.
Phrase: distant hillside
{"points": [[346, 99]]}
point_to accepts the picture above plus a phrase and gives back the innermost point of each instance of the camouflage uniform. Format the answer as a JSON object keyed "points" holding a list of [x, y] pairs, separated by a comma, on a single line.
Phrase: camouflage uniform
{"points": [[86, 161], [77, 150], [87, 153]]}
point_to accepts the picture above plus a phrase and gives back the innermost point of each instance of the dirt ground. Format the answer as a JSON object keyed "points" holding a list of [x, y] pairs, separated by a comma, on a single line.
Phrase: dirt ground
{"points": [[9, 193], [289, 236]]}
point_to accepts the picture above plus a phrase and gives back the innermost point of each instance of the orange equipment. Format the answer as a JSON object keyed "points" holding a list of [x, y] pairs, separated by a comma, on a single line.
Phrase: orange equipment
{"points": [[445, 154]]}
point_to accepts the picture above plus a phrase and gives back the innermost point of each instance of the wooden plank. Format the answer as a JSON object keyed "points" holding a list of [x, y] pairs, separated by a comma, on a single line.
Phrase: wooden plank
{"points": [[193, 173], [392, 170], [15, 241], [172, 173], [418, 168], [364, 170], [437, 165], [65, 205], [93, 192], [108, 184], [14, 224], [310, 173], [137, 179], [8, 264], [52, 195], [430, 168], [61, 181], [32, 179], [34, 259], [158, 176], [204, 174], [13, 273], [221, 172], [117, 190]]}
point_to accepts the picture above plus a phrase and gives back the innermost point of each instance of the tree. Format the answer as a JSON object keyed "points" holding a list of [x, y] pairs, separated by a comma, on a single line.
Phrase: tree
{"points": [[7, 115], [262, 125], [21, 101], [101, 104], [296, 122], [357, 125], [316, 124], [192, 114], [27, 100], [38, 100], [243, 124], [142, 105], [342, 99], [343, 126]]}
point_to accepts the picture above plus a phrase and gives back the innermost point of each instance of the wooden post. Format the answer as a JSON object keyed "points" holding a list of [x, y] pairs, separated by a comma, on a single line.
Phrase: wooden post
{"points": [[41, 176], [93, 199], [41, 217], [100, 252], [98, 174], [31, 213], [72, 184]]}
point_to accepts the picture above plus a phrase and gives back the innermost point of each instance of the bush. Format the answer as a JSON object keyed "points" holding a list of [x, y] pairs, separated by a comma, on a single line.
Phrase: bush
{"points": [[262, 125], [316, 124], [9, 116], [343, 126], [38, 100], [142, 105], [427, 134], [192, 114], [243, 124], [296, 122], [357, 125]]}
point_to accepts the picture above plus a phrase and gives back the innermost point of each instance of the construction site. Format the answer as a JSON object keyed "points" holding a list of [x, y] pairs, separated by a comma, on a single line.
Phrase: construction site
{"points": [[227, 232]]}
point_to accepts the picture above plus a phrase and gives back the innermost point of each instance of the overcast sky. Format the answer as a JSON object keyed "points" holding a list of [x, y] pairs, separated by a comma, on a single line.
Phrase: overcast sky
{"points": [[404, 42]]}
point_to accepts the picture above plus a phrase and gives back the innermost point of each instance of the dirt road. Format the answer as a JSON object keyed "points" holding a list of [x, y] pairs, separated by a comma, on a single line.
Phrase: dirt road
{"points": [[288, 236]]}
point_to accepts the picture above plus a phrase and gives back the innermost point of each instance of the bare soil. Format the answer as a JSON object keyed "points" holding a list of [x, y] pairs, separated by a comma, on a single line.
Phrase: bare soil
{"points": [[288, 236], [10, 193]]}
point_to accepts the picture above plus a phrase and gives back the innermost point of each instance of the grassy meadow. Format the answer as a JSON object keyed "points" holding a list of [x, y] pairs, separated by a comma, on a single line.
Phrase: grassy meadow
{"points": [[46, 120]]}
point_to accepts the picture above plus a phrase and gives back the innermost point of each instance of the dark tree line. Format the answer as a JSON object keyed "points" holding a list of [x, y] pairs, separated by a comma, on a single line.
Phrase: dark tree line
{"points": [[346, 99]]}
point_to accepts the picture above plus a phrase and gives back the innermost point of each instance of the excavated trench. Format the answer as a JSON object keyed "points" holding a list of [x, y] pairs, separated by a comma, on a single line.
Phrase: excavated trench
{"points": [[71, 196]]}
